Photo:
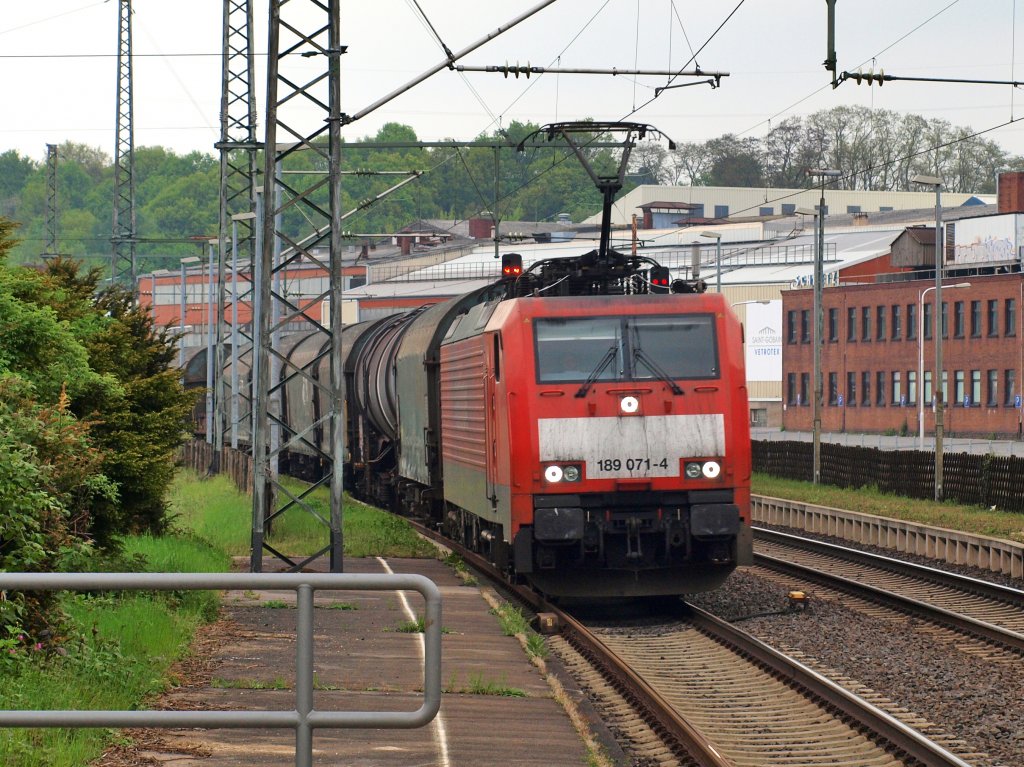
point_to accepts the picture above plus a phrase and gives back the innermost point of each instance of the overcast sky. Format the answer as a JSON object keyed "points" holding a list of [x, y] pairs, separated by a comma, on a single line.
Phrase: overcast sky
{"points": [[58, 66]]}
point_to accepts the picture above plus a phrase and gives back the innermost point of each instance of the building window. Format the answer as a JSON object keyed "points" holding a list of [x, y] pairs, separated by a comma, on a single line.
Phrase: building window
{"points": [[788, 208], [928, 394], [853, 208], [865, 389], [1010, 387], [897, 388], [975, 388], [945, 320], [851, 389], [805, 326], [833, 325], [833, 388], [958, 319], [945, 387], [791, 326], [911, 322], [975, 319], [851, 324], [721, 211], [1010, 318], [791, 388], [880, 323], [911, 387], [880, 388], [958, 387], [992, 395], [927, 329], [766, 211], [993, 318], [865, 323], [805, 385], [884, 208], [897, 324]]}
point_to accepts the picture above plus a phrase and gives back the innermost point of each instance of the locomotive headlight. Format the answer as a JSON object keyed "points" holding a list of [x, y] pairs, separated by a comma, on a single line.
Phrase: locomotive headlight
{"points": [[693, 471], [711, 469], [571, 473], [629, 404], [553, 473]]}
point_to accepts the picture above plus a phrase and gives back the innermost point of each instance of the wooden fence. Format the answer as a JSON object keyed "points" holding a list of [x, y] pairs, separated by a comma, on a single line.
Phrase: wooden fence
{"points": [[978, 480], [198, 455]]}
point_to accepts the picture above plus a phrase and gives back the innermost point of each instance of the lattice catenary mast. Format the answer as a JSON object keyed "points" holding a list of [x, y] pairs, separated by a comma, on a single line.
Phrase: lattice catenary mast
{"points": [[122, 268], [238, 183]]}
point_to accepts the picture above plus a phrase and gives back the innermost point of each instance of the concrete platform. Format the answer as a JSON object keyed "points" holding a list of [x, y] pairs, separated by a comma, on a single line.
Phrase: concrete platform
{"points": [[364, 662]]}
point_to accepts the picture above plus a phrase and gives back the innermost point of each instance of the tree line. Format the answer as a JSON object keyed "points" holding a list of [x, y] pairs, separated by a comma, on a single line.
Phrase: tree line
{"points": [[877, 149], [177, 196]]}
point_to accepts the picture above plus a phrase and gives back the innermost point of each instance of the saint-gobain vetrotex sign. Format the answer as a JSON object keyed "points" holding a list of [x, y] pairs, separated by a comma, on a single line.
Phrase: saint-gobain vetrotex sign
{"points": [[763, 329]]}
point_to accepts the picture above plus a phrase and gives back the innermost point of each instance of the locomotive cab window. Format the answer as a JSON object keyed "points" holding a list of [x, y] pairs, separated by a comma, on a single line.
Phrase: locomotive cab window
{"points": [[626, 348]]}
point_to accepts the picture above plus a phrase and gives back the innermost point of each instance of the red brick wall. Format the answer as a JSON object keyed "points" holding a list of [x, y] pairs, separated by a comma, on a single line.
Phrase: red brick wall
{"points": [[968, 353], [1011, 192]]}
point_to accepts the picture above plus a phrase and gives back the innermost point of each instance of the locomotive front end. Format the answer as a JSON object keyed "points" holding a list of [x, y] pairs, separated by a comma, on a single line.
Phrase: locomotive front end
{"points": [[639, 444]]}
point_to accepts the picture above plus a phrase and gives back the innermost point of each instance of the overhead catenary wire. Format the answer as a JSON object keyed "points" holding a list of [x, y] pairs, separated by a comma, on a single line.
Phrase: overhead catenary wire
{"points": [[827, 85]]}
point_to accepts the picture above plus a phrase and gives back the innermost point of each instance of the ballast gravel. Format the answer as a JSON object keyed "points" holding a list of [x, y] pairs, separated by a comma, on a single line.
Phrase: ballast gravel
{"points": [[972, 697]]}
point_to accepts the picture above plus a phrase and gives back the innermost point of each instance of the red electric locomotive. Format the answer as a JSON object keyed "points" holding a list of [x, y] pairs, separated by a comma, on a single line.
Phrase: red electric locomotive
{"points": [[594, 442]]}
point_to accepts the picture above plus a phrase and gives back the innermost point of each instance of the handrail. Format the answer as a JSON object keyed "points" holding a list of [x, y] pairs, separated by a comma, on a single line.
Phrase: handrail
{"points": [[303, 719]]}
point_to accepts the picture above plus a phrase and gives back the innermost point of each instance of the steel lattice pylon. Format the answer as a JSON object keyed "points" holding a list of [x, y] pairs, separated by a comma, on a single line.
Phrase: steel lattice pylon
{"points": [[122, 268], [237, 239], [51, 201], [303, 116]]}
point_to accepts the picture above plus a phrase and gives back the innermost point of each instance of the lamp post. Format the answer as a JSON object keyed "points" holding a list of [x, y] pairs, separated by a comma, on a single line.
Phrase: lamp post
{"points": [[936, 182], [212, 360], [920, 358], [819, 325], [185, 263], [717, 236]]}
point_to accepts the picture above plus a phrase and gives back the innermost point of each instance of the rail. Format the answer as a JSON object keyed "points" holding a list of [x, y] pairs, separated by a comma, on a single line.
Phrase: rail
{"points": [[303, 718]]}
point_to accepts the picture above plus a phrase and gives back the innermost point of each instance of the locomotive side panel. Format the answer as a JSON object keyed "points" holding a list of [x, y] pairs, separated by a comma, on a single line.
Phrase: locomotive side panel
{"points": [[463, 425]]}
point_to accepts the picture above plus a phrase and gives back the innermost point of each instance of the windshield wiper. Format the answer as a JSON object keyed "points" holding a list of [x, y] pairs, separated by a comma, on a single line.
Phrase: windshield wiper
{"points": [[605, 361], [639, 354]]}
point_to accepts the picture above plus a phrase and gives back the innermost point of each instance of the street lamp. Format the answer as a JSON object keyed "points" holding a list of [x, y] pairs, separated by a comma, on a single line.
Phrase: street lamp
{"points": [[185, 263], [936, 182], [819, 325], [212, 428], [920, 358], [717, 236]]}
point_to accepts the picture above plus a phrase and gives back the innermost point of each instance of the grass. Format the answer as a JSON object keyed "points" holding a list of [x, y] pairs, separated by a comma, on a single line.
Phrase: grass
{"points": [[971, 519], [278, 683], [478, 685], [340, 606], [514, 624], [215, 511], [130, 640], [417, 626]]}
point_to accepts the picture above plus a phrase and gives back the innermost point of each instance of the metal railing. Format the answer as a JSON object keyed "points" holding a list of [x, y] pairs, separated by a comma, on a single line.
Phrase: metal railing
{"points": [[303, 719]]}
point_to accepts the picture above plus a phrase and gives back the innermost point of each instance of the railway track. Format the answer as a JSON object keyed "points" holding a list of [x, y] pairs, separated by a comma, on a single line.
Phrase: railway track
{"points": [[980, 609], [717, 697]]}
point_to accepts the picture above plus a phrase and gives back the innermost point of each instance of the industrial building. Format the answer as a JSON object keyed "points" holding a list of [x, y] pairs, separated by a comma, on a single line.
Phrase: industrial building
{"points": [[878, 344], [763, 264]]}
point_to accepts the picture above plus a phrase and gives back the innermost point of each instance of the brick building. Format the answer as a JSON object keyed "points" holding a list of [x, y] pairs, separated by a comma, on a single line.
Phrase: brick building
{"points": [[878, 340], [873, 340]]}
